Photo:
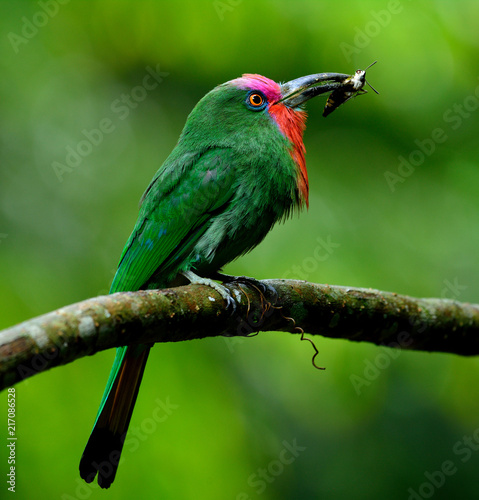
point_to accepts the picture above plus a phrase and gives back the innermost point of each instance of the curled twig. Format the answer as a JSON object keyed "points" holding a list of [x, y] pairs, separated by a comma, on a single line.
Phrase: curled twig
{"points": [[300, 330], [316, 352]]}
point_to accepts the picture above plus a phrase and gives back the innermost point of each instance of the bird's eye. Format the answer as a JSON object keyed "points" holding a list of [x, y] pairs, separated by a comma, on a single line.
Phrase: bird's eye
{"points": [[256, 100]]}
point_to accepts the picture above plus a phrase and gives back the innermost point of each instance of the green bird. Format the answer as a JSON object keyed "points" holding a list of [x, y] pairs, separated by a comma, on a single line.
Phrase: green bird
{"points": [[238, 167]]}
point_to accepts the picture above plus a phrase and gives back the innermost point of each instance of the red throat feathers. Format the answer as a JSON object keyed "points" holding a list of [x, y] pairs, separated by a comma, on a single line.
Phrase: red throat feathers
{"points": [[291, 122]]}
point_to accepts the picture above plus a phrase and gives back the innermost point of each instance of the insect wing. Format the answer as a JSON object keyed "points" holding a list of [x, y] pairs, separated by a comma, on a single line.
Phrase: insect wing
{"points": [[335, 99], [350, 87]]}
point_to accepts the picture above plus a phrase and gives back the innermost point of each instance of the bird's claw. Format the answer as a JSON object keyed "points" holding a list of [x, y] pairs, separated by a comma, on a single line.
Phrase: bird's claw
{"points": [[265, 289], [221, 289]]}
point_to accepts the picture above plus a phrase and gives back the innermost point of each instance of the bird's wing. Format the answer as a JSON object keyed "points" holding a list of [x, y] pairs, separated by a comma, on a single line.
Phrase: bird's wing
{"points": [[183, 196]]}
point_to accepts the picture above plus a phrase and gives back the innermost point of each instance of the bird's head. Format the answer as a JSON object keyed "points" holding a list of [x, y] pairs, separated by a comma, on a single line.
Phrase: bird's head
{"points": [[250, 110]]}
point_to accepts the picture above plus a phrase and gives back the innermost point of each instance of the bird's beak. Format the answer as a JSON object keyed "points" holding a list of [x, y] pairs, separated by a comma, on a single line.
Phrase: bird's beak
{"points": [[297, 92]]}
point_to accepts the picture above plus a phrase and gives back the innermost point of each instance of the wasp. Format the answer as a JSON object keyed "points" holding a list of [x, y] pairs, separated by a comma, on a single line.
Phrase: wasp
{"points": [[350, 87]]}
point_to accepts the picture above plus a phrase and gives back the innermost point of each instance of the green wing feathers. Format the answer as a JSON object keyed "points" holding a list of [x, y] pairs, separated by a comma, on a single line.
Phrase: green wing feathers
{"points": [[173, 217], [174, 214]]}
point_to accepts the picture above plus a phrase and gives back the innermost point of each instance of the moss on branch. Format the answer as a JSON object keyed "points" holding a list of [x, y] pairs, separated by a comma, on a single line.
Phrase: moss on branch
{"points": [[198, 311]]}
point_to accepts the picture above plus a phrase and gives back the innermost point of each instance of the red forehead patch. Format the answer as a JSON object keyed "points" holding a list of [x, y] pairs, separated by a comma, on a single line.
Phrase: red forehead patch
{"points": [[249, 81]]}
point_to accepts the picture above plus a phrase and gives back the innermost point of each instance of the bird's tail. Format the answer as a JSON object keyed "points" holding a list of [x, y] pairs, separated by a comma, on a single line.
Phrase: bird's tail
{"points": [[103, 450]]}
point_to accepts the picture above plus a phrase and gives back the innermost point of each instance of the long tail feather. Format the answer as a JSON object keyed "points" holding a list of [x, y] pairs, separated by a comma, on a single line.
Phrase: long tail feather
{"points": [[103, 450]]}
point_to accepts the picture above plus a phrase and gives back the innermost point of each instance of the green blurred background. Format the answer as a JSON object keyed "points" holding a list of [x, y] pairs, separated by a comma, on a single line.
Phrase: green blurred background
{"points": [[215, 418]]}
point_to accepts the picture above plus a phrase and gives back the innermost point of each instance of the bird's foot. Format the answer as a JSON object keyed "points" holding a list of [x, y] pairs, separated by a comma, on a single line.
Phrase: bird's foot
{"points": [[194, 279], [268, 295], [263, 288]]}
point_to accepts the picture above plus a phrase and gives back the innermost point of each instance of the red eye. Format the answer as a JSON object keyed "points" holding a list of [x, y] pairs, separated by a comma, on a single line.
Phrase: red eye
{"points": [[256, 100]]}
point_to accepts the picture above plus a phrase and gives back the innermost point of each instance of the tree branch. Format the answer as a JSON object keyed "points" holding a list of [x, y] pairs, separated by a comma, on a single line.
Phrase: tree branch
{"points": [[198, 311]]}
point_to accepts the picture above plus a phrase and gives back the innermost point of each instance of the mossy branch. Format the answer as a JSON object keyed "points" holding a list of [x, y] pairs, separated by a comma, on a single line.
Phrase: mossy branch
{"points": [[198, 311]]}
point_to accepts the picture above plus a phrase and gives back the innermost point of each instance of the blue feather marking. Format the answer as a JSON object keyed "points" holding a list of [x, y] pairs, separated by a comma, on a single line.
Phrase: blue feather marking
{"points": [[150, 243], [173, 217]]}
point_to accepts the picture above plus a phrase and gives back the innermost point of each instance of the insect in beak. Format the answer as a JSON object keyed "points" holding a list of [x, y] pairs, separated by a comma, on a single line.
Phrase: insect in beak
{"points": [[350, 87]]}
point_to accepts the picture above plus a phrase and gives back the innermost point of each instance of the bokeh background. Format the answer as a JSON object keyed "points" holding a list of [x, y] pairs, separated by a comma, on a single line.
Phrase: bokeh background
{"points": [[394, 205]]}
